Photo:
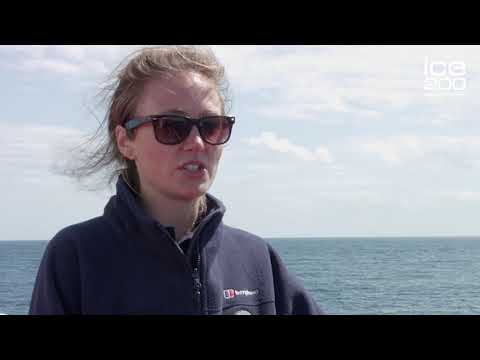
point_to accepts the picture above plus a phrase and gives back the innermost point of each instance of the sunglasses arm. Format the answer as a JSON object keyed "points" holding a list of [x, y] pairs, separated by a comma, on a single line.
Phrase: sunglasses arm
{"points": [[136, 122]]}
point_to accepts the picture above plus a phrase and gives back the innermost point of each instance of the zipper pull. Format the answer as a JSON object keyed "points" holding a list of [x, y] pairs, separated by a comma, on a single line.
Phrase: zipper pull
{"points": [[197, 285], [196, 281]]}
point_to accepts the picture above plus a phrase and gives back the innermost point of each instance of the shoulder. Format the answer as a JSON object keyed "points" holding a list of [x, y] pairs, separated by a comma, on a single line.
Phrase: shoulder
{"points": [[236, 234], [82, 231], [245, 240], [58, 284], [239, 233], [71, 239]]}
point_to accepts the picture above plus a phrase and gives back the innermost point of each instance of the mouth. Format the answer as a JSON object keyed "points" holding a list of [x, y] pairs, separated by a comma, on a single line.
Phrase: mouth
{"points": [[193, 167]]}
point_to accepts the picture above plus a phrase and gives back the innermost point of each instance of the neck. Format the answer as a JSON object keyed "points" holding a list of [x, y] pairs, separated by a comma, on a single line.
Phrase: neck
{"points": [[180, 214]]}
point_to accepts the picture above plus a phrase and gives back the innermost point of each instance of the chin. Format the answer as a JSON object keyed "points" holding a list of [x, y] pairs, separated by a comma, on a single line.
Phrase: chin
{"points": [[192, 194]]}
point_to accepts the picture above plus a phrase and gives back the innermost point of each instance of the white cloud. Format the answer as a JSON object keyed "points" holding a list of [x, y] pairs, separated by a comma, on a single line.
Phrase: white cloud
{"points": [[29, 151], [58, 66], [393, 150], [32, 194], [91, 60], [283, 145], [370, 81], [473, 196], [413, 147], [304, 81]]}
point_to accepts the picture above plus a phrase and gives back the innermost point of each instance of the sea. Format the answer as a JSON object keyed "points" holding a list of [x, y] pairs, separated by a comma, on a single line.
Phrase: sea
{"points": [[346, 276]]}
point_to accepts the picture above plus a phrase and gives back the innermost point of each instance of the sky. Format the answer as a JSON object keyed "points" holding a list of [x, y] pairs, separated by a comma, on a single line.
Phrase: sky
{"points": [[329, 141]]}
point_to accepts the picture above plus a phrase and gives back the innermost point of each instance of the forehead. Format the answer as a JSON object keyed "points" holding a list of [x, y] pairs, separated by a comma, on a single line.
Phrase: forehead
{"points": [[189, 92]]}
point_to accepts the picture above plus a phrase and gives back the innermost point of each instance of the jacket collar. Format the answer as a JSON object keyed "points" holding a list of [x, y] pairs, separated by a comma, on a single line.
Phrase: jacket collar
{"points": [[126, 205]]}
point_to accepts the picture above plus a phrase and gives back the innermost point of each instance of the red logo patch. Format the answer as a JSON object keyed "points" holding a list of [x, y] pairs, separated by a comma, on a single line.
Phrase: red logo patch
{"points": [[229, 294]]}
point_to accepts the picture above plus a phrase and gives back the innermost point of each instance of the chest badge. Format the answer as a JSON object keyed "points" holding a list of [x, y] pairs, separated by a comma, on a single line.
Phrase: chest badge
{"points": [[232, 293]]}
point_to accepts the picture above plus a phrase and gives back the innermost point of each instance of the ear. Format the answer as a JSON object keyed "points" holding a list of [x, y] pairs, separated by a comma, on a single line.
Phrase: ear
{"points": [[124, 144]]}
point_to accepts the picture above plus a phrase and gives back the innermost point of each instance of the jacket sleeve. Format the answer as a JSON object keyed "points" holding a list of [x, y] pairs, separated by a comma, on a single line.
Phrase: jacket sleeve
{"points": [[57, 286], [291, 298]]}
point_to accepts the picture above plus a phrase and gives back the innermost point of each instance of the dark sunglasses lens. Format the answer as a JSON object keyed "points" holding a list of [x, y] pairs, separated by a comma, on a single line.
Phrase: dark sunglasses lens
{"points": [[215, 130], [171, 130]]}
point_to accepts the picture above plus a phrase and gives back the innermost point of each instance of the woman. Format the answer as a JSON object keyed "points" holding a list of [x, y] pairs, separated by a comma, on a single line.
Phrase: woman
{"points": [[161, 247]]}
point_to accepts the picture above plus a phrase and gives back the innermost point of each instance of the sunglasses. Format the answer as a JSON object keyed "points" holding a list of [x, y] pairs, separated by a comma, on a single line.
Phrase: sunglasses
{"points": [[174, 129]]}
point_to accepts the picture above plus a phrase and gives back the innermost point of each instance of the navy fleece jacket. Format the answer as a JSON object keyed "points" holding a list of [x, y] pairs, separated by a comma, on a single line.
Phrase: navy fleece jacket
{"points": [[125, 262]]}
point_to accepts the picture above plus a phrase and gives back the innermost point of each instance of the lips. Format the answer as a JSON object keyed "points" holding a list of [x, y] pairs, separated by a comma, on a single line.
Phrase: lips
{"points": [[193, 165]]}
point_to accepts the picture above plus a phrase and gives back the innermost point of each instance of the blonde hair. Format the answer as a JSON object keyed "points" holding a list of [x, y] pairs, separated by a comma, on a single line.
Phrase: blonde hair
{"points": [[122, 92]]}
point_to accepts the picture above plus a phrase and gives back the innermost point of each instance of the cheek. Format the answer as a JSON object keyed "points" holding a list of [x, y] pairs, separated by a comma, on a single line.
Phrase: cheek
{"points": [[219, 153], [216, 155], [153, 159]]}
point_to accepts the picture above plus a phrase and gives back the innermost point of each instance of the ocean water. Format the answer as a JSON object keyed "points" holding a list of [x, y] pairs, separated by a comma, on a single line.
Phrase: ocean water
{"points": [[345, 276]]}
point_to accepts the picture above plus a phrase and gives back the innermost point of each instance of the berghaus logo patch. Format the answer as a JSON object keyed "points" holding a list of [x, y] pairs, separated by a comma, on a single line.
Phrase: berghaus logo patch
{"points": [[232, 293]]}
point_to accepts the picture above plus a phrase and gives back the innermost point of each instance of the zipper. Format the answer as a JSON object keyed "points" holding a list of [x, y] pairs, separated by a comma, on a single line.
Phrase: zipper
{"points": [[197, 284], [194, 270]]}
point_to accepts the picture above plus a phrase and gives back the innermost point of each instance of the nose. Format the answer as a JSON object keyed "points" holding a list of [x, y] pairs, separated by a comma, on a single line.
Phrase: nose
{"points": [[194, 140]]}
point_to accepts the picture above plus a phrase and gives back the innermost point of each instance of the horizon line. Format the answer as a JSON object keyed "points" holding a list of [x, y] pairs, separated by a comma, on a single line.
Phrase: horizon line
{"points": [[340, 237]]}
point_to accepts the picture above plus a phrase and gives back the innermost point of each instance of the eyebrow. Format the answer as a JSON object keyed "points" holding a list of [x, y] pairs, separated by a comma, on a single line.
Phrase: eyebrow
{"points": [[181, 112]]}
